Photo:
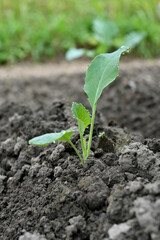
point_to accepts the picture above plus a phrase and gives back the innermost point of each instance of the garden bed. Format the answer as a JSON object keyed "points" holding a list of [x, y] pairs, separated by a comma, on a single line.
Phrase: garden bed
{"points": [[46, 193]]}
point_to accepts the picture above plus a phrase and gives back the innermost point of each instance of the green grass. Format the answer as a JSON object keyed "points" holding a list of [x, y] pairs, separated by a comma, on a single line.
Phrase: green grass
{"points": [[38, 29]]}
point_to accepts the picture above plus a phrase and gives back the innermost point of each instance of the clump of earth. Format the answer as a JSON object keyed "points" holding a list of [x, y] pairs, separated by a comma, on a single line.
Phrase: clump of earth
{"points": [[47, 194]]}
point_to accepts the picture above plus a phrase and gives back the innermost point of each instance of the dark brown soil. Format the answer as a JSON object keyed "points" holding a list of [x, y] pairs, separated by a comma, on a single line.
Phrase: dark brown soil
{"points": [[133, 100], [46, 193]]}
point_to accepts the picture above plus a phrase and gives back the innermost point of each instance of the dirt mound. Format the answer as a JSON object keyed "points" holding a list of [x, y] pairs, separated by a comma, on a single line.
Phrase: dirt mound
{"points": [[46, 193], [133, 100]]}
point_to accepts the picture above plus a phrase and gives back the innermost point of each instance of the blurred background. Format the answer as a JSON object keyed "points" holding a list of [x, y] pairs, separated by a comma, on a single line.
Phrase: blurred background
{"points": [[40, 30]]}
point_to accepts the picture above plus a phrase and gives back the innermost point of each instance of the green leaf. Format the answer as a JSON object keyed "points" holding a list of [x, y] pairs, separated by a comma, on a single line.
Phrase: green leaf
{"points": [[134, 38], [82, 115], [48, 138], [102, 71], [104, 31], [74, 53], [66, 135]]}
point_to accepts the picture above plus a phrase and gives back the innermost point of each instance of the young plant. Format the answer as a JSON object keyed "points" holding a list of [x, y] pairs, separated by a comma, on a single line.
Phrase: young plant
{"points": [[102, 71]]}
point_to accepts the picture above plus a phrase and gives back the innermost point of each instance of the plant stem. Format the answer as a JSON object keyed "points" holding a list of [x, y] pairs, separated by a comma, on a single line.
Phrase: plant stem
{"points": [[76, 150], [85, 149], [91, 129], [82, 144]]}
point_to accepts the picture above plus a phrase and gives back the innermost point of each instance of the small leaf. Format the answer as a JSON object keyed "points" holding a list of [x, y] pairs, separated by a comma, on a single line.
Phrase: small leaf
{"points": [[66, 135], [74, 53], [82, 115], [48, 138], [134, 38], [104, 31], [102, 71], [101, 134]]}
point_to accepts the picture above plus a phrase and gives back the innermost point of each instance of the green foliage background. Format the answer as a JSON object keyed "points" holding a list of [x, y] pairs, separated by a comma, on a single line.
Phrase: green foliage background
{"points": [[41, 29]]}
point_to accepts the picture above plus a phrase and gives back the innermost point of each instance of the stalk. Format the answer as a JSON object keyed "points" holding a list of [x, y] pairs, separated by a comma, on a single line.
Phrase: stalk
{"points": [[91, 129], [76, 150], [82, 143], [83, 146], [85, 149]]}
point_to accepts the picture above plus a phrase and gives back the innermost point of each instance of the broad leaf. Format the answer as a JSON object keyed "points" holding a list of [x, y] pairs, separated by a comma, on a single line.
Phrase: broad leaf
{"points": [[66, 135], [134, 38], [104, 31], [102, 71], [48, 138], [74, 53], [82, 115]]}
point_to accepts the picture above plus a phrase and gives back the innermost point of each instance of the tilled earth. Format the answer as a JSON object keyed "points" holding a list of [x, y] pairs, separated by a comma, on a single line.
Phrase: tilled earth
{"points": [[46, 193]]}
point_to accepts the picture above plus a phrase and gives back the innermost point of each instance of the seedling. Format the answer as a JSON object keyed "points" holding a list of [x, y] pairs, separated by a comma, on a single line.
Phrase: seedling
{"points": [[102, 71]]}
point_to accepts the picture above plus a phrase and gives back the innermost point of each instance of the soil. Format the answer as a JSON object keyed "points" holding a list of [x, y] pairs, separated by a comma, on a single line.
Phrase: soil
{"points": [[45, 192]]}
